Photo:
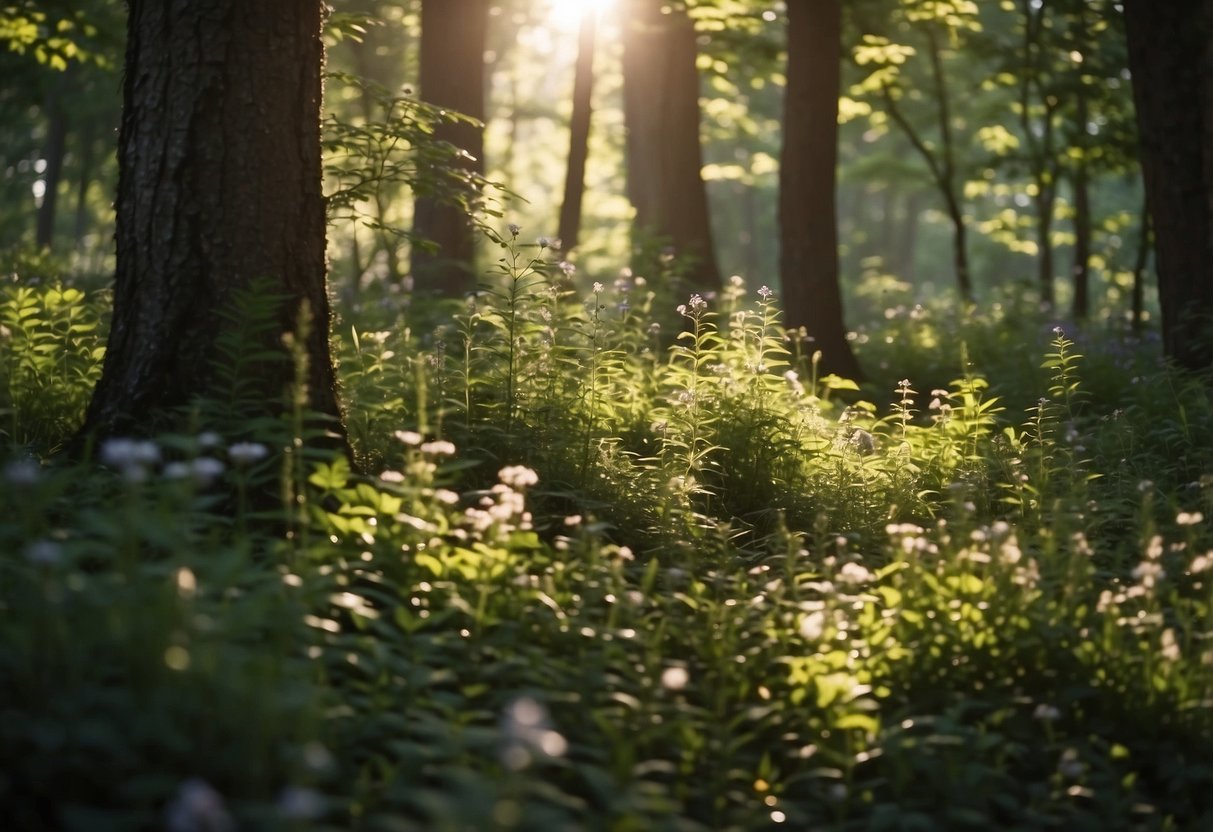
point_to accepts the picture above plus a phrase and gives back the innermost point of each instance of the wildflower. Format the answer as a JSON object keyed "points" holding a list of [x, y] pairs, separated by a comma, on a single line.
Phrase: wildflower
{"points": [[1169, 645], [209, 439], [1070, 766], [813, 625], [1185, 518], [675, 678], [1046, 713], [518, 476], [514, 229], [130, 456], [853, 573], [527, 730], [22, 472], [446, 496], [197, 807], [408, 437], [765, 293], [598, 288], [44, 553], [246, 453], [439, 447], [394, 477], [544, 242], [568, 268], [300, 804]]}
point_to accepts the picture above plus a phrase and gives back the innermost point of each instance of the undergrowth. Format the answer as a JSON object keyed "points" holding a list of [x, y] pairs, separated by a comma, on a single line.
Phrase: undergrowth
{"points": [[599, 564]]}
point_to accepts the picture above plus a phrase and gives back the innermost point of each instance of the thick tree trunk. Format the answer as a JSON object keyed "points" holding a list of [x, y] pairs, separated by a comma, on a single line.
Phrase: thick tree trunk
{"points": [[1171, 58], [1145, 241], [664, 156], [579, 132], [219, 190], [807, 181], [453, 34]]}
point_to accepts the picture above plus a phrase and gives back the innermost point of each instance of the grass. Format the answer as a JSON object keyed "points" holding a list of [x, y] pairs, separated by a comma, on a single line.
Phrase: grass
{"points": [[601, 564]]}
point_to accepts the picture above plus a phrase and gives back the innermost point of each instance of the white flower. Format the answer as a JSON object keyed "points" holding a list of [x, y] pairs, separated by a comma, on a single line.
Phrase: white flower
{"points": [[128, 454], [209, 439], [1185, 518], [246, 453], [299, 803], [439, 447], [44, 553], [22, 472], [598, 288], [408, 437], [518, 476], [514, 229], [675, 678], [853, 573], [813, 625], [568, 268], [197, 807], [765, 293], [1046, 713], [528, 732]]}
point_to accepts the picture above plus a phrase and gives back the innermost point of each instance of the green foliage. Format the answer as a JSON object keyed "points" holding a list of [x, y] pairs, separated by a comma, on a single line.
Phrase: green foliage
{"points": [[52, 343]]}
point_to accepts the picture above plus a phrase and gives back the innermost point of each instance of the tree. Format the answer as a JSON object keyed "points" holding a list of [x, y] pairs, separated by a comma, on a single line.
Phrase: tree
{"points": [[808, 229], [943, 28], [664, 156], [579, 132], [453, 36], [219, 192], [1172, 65]]}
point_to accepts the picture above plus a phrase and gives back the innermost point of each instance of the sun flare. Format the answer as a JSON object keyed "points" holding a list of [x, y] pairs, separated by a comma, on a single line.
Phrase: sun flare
{"points": [[566, 15]]}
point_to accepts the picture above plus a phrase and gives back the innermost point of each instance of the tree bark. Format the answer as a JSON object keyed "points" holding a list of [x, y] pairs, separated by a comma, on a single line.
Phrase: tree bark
{"points": [[453, 34], [219, 192], [808, 180], [1081, 271], [1171, 59], [664, 156], [579, 132]]}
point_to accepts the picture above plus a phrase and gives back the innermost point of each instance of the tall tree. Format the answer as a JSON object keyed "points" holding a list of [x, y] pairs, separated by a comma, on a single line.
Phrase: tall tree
{"points": [[453, 36], [1171, 59], [579, 131], [219, 191], [808, 230], [664, 156]]}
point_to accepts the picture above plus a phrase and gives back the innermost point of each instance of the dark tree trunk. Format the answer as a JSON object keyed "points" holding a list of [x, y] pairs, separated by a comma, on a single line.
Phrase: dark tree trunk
{"points": [[579, 132], [807, 182], [1081, 271], [1171, 58], [664, 156], [219, 191], [1045, 203], [453, 34], [56, 143]]}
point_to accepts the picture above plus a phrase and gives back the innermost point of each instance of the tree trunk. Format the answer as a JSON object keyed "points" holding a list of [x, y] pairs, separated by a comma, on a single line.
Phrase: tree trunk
{"points": [[56, 142], [807, 181], [664, 156], [1081, 271], [453, 34], [1171, 59], [1045, 203], [219, 192], [579, 132]]}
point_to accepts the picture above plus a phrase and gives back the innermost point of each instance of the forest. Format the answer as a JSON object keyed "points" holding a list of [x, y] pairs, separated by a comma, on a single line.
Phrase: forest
{"points": [[614, 415]]}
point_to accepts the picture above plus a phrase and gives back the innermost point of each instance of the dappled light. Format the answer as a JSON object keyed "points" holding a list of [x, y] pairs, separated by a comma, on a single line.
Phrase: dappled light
{"points": [[728, 415]]}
